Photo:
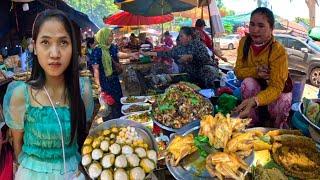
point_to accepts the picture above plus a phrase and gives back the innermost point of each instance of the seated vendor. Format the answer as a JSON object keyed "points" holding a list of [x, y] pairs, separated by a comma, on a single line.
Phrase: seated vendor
{"points": [[262, 64], [192, 58], [143, 39], [133, 43]]}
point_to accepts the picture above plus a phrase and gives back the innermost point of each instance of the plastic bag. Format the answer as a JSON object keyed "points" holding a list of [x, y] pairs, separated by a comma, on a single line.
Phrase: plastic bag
{"points": [[105, 109]]}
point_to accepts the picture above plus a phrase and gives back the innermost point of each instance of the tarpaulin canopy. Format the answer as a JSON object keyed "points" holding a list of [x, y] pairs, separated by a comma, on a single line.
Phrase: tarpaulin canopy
{"points": [[314, 33], [237, 19], [154, 7], [124, 18]]}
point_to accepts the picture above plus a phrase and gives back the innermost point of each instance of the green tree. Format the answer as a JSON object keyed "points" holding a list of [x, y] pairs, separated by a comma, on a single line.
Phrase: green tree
{"points": [[303, 20], [219, 3], [95, 9], [228, 27]]}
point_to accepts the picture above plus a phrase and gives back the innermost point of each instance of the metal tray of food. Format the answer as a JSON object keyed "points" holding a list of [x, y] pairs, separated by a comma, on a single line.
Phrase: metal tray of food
{"points": [[187, 126], [184, 171], [142, 131], [162, 126], [316, 127], [134, 99]]}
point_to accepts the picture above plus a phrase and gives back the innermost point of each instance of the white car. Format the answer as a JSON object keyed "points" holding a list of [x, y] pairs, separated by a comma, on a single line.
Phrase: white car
{"points": [[230, 41]]}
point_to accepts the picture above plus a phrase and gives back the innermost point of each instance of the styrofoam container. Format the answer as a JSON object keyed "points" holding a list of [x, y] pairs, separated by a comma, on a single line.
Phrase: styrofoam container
{"points": [[148, 124], [127, 106], [143, 99]]}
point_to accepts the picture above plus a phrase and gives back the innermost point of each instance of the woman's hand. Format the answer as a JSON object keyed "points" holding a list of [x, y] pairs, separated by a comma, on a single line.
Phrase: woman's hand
{"points": [[263, 72], [134, 55], [185, 58], [148, 53], [245, 107], [224, 59]]}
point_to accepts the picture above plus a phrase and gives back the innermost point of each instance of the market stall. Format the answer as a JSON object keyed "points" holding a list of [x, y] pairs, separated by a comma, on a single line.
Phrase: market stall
{"points": [[195, 137]]}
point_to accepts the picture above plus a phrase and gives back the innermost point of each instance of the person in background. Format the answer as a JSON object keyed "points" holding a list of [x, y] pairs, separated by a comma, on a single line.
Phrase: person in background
{"points": [[105, 74], [123, 43], [205, 38], [133, 43], [144, 40], [90, 47], [262, 64], [83, 59], [47, 114], [26, 56], [167, 40], [116, 55], [192, 57]]}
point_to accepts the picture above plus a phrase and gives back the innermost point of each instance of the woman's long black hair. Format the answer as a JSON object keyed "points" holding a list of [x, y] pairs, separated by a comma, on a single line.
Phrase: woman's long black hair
{"points": [[270, 17], [71, 74]]}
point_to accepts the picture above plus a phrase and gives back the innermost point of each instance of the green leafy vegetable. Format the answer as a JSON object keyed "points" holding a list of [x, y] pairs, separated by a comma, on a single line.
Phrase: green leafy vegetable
{"points": [[166, 107], [266, 138], [202, 143]]}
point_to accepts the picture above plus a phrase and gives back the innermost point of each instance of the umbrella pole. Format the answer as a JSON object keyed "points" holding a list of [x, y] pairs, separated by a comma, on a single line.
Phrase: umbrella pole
{"points": [[212, 34], [161, 15], [162, 28], [201, 12], [139, 26]]}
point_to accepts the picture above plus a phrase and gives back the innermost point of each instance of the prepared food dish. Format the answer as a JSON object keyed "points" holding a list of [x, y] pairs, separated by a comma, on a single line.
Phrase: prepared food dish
{"points": [[140, 117], [227, 145], [118, 153], [298, 155], [136, 108], [180, 105], [23, 76], [133, 99], [85, 73]]}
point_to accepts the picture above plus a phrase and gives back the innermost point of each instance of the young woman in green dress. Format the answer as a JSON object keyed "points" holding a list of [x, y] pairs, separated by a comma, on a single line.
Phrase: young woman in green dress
{"points": [[47, 114]]}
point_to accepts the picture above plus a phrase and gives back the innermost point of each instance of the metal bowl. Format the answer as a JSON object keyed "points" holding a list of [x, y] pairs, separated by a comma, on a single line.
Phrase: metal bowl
{"points": [[316, 127], [142, 131]]}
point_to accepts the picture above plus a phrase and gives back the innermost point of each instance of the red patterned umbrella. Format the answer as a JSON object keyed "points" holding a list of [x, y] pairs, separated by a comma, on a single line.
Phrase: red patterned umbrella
{"points": [[127, 19]]}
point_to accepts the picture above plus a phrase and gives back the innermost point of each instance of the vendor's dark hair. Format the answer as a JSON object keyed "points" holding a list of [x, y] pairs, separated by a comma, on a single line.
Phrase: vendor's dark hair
{"points": [[189, 31], [90, 41], [71, 74], [270, 18]]}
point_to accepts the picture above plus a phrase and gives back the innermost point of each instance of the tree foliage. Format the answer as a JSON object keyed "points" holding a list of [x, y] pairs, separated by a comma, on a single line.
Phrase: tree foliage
{"points": [[95, 9], [219, 3], [305, 21], [228, 27]]}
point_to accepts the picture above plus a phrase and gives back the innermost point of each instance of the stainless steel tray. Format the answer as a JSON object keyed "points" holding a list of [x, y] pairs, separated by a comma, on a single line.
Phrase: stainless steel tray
{"points": [[182, 171], [165, 127], [142, 131], [185, 127]]}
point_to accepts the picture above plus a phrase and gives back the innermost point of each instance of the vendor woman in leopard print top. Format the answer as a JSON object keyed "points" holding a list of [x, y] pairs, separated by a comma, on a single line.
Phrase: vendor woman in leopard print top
{"points": [[193, 58]]}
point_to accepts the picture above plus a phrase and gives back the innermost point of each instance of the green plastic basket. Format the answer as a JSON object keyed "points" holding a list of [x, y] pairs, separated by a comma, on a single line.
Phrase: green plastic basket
{"points": [[145, 59]]}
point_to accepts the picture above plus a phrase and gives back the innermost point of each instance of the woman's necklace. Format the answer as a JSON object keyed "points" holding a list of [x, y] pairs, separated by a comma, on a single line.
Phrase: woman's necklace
{"points": [[62, 97]]}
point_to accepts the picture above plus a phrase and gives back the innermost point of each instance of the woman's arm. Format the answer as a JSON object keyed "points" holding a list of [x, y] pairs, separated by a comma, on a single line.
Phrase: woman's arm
{"points": [[17, 138], [242, 70], [14, 108], [96, 75], [123, 55], [219, 56]]}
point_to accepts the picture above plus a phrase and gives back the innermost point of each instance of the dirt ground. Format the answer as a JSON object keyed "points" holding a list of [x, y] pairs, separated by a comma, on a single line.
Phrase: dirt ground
{"points": [[310, 91]]}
